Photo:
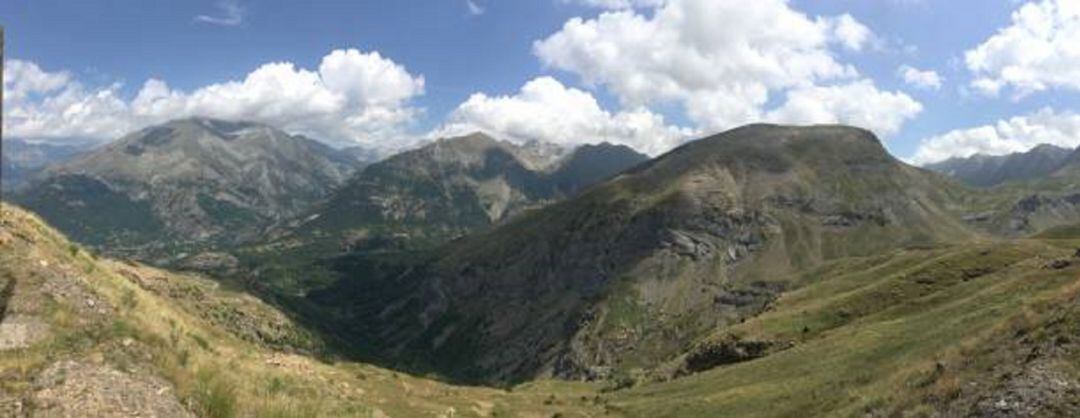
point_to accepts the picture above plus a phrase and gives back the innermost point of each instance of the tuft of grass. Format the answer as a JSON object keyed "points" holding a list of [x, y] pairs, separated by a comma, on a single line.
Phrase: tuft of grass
{"points": [[213, 396], [129, 301], [205, 345]]}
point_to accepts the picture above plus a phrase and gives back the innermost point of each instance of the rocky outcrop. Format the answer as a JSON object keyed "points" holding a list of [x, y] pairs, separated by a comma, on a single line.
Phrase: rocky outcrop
{"points": [[1037, 212]]}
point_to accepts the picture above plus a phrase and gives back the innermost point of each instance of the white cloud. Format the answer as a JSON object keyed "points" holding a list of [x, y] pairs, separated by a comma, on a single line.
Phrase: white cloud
{"points": [[352, 97], [474, 8], [547, 110], [1016, 134], [923, 79], [858, 103], [23, 78], [850, 33], [1039, 50], [232, 14], [37, 101], [721, 60]]}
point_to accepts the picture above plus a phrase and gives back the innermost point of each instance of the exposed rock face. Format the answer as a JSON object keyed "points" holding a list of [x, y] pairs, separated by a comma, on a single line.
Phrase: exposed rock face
{"points": [[192, 181], [727, 351], [631, 271], [1040, 211]]}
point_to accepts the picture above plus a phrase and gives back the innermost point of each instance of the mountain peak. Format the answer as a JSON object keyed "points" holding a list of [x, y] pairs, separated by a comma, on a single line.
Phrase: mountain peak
{"points": [[775, 148], [475, 138], [802, 141], [1044, 148], [221, 128], [199, 176]]}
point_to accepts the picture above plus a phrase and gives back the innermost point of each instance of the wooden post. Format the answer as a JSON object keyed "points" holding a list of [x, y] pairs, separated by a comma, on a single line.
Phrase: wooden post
{"points": [[1, 83], [2, 65]]}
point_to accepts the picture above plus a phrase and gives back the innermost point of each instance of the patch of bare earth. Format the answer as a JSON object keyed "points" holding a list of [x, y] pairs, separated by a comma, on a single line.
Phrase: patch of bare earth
{"points": [[21, 331], [77, 389]]}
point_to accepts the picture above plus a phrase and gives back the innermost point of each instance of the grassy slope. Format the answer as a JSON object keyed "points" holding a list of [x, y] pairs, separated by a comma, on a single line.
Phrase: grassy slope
{"points": [[199, 338], [869, 334]]}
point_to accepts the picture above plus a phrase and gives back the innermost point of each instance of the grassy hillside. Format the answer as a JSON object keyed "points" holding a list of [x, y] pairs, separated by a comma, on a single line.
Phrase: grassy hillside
{"points": [[96, 337], [980, 329]]}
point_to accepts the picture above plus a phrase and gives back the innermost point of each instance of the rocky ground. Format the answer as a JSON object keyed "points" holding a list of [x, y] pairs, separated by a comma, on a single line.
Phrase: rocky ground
{"points": [[70, 388]]}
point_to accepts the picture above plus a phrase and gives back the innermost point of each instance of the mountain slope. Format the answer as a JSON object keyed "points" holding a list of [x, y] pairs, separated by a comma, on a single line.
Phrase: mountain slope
{"points": [[967, 330], [985, 170], [22, 160], [83, 336], [628, 273], [192, 181], [457, 185], [1041, 192], [421, 198]]}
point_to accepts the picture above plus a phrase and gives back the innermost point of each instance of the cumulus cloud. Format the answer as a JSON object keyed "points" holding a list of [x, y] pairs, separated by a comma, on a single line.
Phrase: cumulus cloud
{"points": [[23, 78], [1039, 50], [721, 60], [352, 97], [548, 111], [849, 32], [858, 103], [38, 101], [923, 79], [1016, 134], [232, 14]]}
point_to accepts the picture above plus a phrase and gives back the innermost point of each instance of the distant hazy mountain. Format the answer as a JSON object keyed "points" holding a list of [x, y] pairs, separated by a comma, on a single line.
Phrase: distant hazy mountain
{"points": [[187, 181], [453, 186], [21, 160], [363, 155], [632, 270], [986, 170]]}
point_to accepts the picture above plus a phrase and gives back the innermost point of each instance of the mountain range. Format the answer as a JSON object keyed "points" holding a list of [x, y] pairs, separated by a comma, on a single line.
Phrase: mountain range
{"points": [[457, 185], [188, 182], [21, 160], [990, 170], [763, 271], [693, 240]]}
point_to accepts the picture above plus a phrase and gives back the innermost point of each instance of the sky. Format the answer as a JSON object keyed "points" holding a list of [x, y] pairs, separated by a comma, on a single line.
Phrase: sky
{"points": [[933, 79]]}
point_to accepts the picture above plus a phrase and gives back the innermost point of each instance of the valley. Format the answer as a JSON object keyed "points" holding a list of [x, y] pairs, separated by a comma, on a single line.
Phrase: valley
{"points": [[764, 271]]}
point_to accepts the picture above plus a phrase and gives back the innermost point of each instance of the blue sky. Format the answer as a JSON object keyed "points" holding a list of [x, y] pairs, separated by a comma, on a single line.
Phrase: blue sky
{"points": [[454, 67]]}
